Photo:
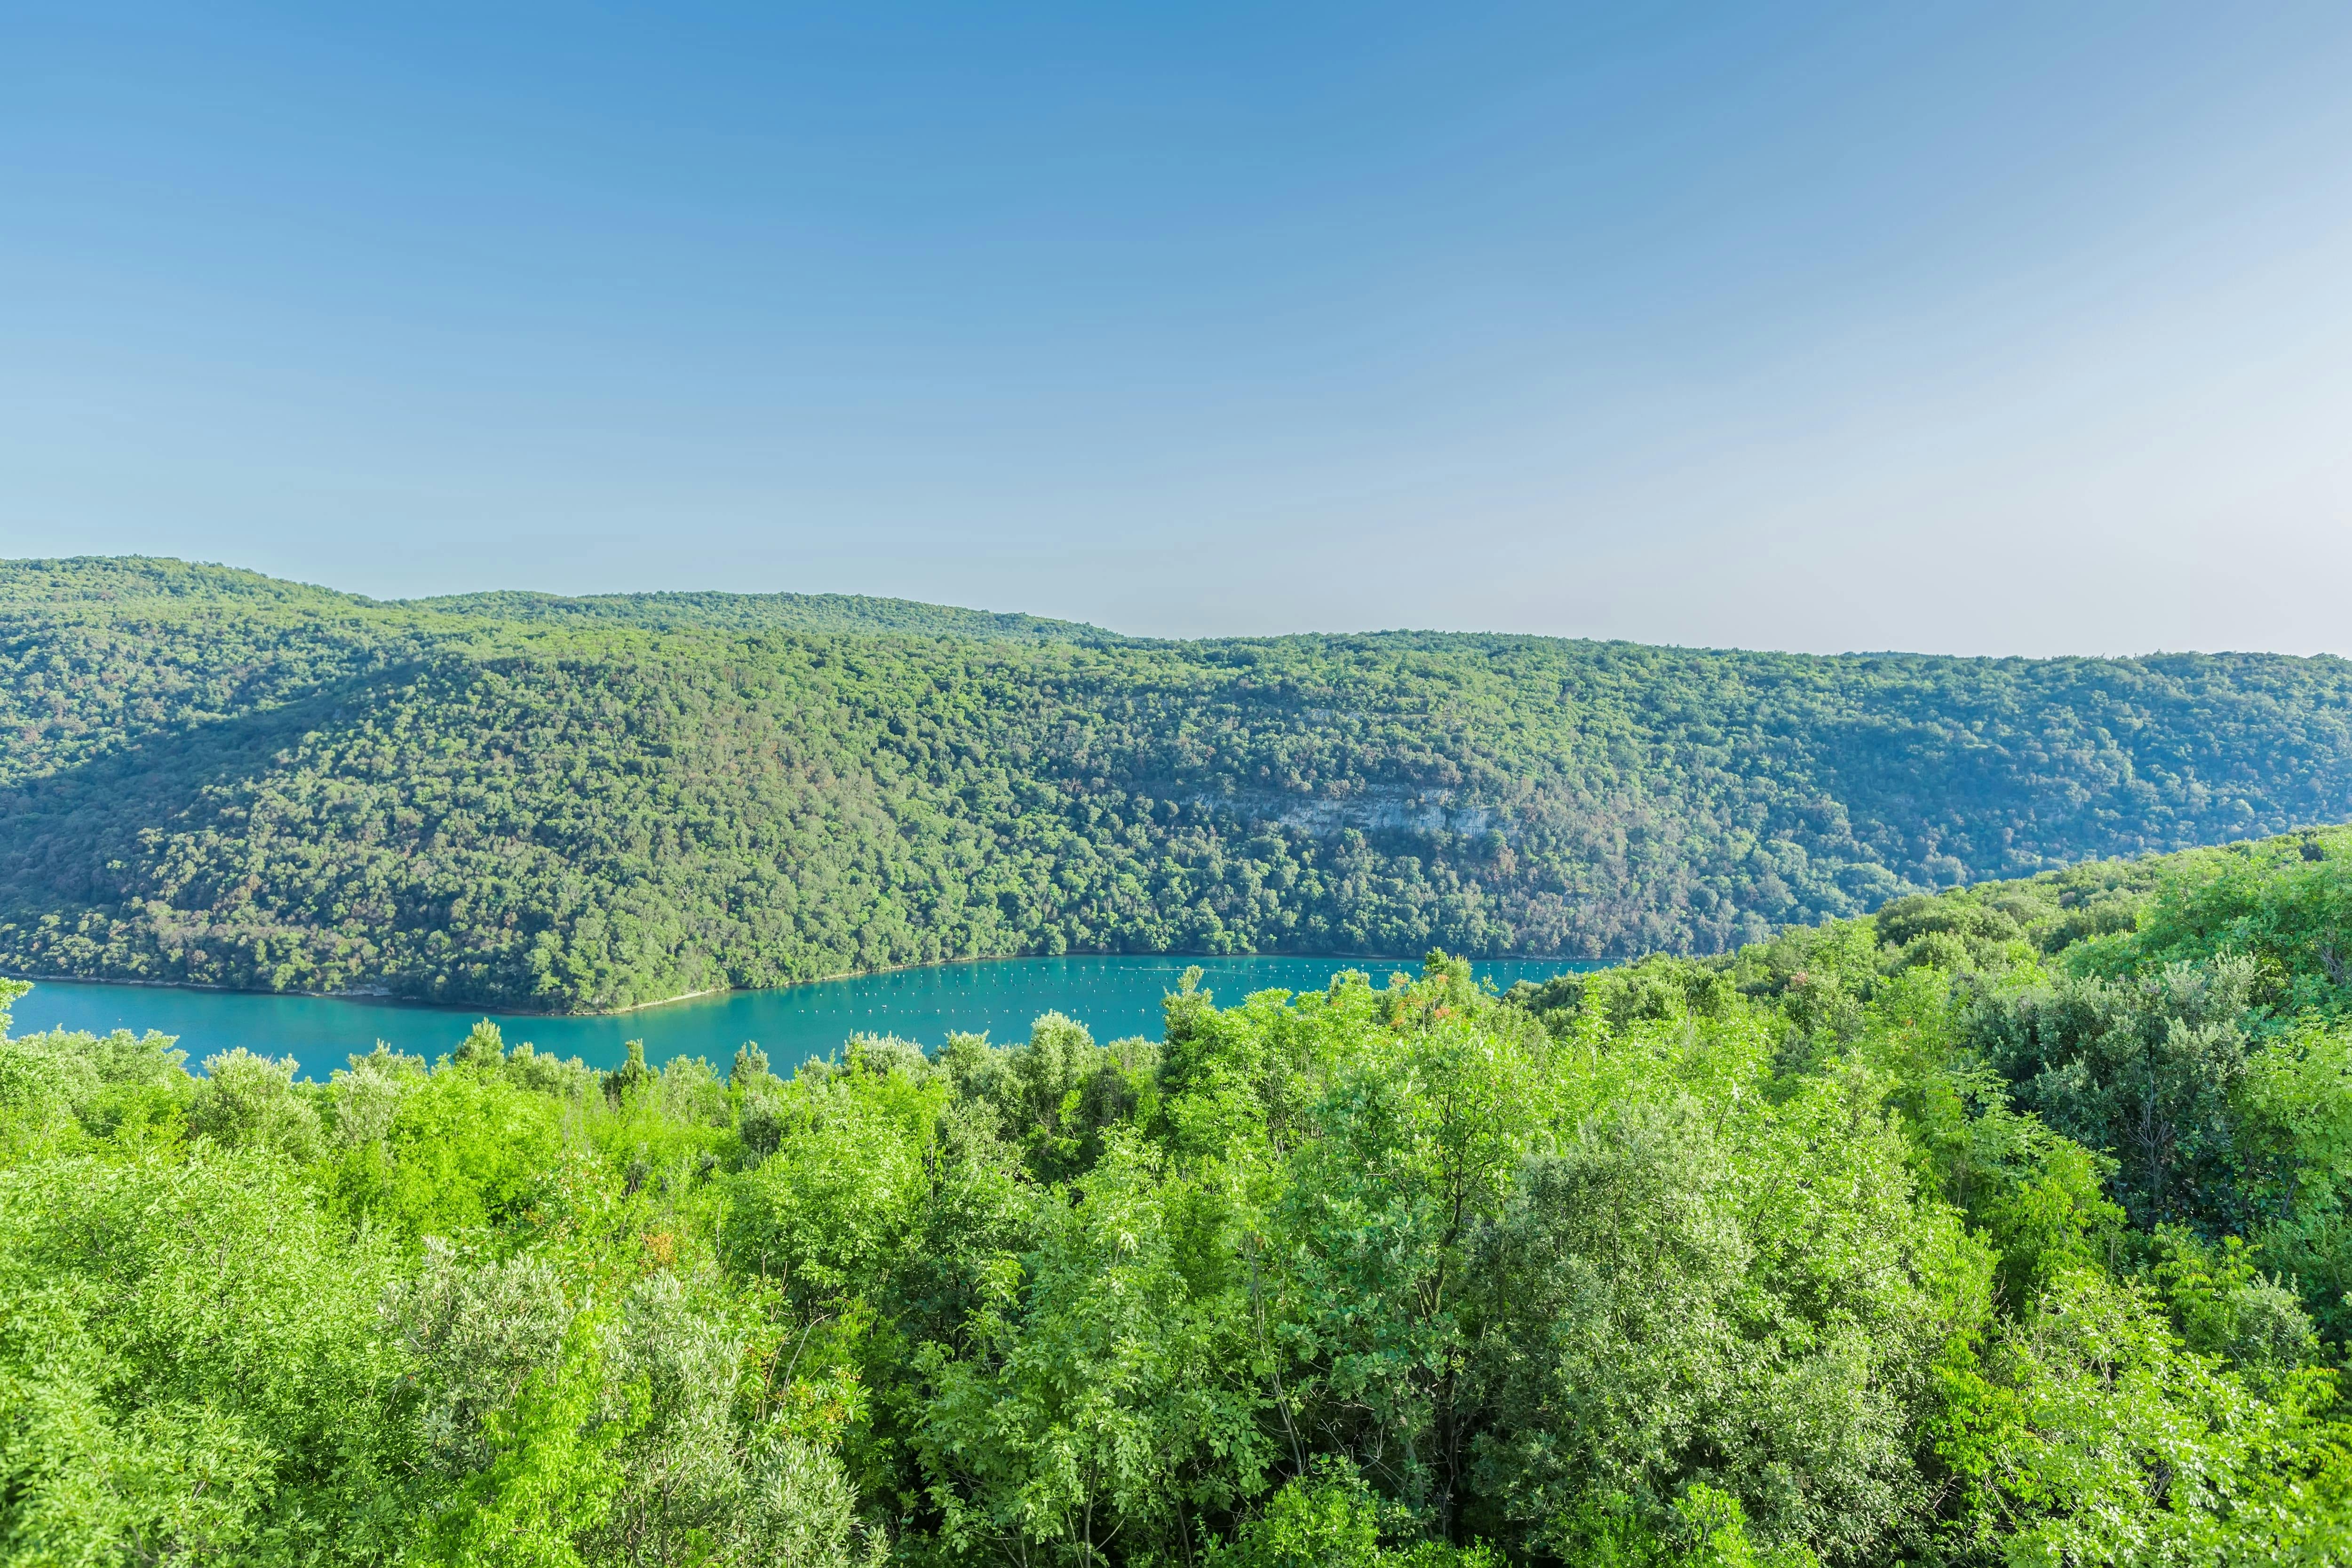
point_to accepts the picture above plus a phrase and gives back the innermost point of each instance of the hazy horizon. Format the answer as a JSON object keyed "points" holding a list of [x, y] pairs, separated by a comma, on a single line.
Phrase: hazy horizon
{"points": [[1366, 630], [1988, 332]]}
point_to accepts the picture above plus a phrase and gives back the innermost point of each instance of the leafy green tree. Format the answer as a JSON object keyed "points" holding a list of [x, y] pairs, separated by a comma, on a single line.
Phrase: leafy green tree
{"points": [[1331, 1519], [1105, 1405], [828, 1213], [1651, 1330], [2089, 1434], [1412, 1144], [250, 1102], [2146, 1069], [552, 1474], [187, 1353]]}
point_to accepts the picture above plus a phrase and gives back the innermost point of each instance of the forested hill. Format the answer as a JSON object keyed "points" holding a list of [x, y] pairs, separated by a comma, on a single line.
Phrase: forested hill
{"points": [[128, 579], [849, 613], [214, 776]]}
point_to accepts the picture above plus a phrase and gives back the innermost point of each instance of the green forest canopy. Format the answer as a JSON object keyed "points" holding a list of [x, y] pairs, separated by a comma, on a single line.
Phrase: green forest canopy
{"points": [[521, 801], [2007, 1227]]}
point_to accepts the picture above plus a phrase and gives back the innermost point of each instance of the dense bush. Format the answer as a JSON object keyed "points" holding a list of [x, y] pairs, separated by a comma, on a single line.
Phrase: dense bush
{"points": [[1846, 1249]]}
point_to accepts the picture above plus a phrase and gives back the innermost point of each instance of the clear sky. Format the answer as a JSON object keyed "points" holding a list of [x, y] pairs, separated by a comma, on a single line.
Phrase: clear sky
{"points": [[2013, 328]]}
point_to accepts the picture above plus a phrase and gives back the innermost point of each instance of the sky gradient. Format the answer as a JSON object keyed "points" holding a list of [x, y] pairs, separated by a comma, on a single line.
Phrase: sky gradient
{"points": [[1979, 329]]}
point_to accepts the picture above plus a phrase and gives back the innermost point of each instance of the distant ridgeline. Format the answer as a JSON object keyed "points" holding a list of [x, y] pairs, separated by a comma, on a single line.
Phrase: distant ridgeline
{"points": [[216, 777]]}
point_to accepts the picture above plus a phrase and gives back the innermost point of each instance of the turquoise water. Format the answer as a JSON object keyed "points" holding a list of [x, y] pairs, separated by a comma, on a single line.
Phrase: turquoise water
{"points": [[1114, 997]]}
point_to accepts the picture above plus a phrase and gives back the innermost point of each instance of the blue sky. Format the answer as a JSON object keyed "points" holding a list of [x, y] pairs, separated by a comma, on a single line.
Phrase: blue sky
{"points": [[1996, 329]]}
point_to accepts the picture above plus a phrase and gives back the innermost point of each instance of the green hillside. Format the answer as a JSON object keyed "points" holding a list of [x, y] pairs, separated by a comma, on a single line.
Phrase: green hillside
{"points": [[2011, 1226], [214, 776], [850, 613]]}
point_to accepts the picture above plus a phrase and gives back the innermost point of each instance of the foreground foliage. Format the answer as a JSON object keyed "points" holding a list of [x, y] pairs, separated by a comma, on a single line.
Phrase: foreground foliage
{"points": [[2006, 1227], [554, 804]]}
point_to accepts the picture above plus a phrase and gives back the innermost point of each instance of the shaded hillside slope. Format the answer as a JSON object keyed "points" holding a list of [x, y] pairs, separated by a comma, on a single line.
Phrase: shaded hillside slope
{"points": [[212, 776]]}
